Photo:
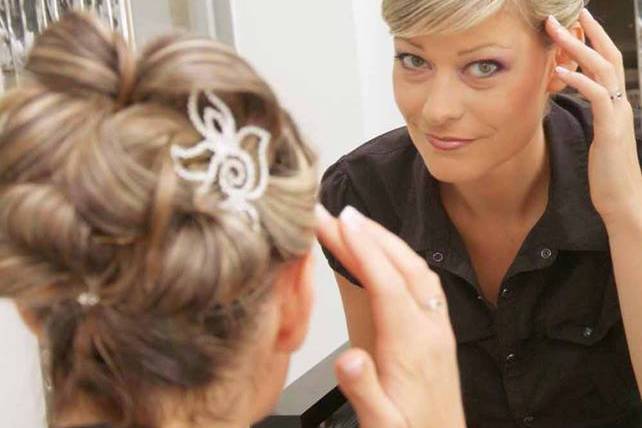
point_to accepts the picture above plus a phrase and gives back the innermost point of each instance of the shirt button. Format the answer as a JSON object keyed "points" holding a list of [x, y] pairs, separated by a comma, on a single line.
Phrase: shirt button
{"points": [[438, 257], [528, 420], [588, 332], [546, 253], [510, 358], [505, 292]]}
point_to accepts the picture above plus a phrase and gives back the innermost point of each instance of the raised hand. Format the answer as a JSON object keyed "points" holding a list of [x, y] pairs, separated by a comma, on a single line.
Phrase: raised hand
{"points": [[614, 169], [413, 378]]}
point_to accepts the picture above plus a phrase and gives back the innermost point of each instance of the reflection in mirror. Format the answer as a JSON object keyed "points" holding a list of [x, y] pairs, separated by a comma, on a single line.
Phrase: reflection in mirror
{"points": [[22, 20], [205, 18]]}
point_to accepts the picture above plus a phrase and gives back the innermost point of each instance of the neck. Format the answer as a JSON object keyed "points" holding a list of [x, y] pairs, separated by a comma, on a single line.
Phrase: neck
{"points": [[211, 424], [237, 415], [513, 190]]}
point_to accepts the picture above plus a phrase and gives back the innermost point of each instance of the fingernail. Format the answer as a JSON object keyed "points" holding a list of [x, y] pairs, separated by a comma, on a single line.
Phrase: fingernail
{"points": [[351, 218], [557, 27], [322, 214], [353, 366], [561, 70], [554, 21]]}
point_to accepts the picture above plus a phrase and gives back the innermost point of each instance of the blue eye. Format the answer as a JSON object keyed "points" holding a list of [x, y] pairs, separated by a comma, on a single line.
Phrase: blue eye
{"points": [[410, 61], [485, 69]]}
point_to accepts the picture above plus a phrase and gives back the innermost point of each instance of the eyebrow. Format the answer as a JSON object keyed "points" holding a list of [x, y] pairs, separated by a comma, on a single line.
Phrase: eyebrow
{"points": [[460, 53]]}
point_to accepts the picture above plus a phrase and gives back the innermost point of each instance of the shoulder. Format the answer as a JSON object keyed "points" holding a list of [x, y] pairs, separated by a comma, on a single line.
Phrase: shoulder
{"points": [[392, 146], [370, 176], [374, 178]]}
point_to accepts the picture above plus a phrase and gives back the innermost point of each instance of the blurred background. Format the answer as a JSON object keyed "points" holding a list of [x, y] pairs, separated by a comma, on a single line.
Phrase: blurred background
{"points": [[330, 63]]}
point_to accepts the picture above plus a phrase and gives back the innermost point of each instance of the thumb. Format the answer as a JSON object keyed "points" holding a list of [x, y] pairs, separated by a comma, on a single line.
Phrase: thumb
{"points": [[359, 382]]}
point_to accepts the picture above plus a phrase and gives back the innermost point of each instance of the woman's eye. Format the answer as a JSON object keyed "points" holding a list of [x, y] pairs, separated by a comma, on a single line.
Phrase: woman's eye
{"points": [[484, 69], [411, 62]]}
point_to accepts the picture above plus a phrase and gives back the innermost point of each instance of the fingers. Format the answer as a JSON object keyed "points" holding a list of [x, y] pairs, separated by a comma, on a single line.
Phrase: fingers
{"points": [[600, 39], [358, 381], [385, 284], [352, 244], [591, 61], [329, 233], [422, 282], [597, 94]]}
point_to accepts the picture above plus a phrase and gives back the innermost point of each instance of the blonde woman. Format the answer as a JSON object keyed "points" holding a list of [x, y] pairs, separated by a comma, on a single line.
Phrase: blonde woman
{"points": [[527, 203], [156, 219]]}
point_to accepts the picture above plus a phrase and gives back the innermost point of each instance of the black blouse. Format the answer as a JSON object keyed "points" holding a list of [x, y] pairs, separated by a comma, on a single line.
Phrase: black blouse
{"points": [[553, 353]]}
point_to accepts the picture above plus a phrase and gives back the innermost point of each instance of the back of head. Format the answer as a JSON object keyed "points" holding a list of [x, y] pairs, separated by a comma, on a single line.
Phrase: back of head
{"points": [[90, 201]]}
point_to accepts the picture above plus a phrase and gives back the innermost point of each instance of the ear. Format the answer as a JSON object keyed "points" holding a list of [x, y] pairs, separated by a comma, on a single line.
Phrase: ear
{"points": [[294, 296], [563, 59]]}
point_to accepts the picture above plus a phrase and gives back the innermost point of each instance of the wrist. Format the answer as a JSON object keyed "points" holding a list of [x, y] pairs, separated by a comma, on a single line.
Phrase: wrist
{"points": [[626, 223]]}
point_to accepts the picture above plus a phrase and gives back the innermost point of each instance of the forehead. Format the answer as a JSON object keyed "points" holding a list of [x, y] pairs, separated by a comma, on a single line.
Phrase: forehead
{"points": [[506, 28]]}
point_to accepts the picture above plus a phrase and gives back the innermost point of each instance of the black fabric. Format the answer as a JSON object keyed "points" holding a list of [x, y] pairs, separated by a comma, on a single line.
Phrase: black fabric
{"points": [[553, 353]]}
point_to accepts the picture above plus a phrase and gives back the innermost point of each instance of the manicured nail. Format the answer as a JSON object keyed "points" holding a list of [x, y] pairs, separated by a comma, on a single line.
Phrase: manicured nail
{"points": [[353, 366], [556, 24], [554, 20], [351, 218], [561, 70], [322, 214]]}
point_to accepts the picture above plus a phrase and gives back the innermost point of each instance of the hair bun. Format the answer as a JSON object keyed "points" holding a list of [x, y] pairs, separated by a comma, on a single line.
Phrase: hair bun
{"points": [[79, 55]]}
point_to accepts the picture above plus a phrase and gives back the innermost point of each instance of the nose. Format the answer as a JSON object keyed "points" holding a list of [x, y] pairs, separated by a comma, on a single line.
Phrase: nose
{"points": [[443, 103]]}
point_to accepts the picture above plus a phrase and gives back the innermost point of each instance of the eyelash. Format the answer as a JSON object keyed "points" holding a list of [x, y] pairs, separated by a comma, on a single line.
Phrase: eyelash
{"points": [[404, 55]]}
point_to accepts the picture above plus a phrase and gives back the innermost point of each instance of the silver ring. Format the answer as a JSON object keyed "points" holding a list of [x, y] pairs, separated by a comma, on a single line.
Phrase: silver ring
{"points": [[617, 95], [434, 304]]}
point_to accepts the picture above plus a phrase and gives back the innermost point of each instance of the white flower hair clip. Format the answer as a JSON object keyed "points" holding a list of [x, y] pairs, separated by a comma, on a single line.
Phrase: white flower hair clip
{"points": [[241, 177]]}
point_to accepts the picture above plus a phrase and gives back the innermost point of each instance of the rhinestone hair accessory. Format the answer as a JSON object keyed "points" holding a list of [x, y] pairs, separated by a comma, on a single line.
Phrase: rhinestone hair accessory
{"points": [[241, 177], [88, 299]]}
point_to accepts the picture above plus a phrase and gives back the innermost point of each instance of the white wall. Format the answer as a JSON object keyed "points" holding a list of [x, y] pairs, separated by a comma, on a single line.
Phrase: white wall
{"points": [[307, 52], [330, 63], [21, 399], [375, 56]]}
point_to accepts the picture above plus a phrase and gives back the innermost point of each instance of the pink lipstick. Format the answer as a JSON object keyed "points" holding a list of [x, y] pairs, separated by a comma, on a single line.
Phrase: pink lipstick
{"points": [[447, 143]]}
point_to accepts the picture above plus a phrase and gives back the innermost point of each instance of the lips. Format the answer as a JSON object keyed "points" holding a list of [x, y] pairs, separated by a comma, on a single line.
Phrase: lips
{"points": [[448, 143]]}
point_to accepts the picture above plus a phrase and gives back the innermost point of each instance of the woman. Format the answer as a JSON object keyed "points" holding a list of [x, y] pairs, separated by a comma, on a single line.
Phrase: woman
{"points": [[528, 204], [156, 218]]}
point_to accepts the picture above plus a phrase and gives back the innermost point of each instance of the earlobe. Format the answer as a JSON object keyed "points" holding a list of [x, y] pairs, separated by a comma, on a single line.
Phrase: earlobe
{"points": [[294, 294]]}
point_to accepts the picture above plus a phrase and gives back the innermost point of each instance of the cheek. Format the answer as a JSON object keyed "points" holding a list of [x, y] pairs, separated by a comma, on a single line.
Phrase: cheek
{"points": [[409, 96], [515, 106], [525, 90]]}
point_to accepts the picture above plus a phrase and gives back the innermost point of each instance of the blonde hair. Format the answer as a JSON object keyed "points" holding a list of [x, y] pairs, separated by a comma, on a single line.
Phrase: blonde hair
{"points": [[89, 198], [409, 18]]}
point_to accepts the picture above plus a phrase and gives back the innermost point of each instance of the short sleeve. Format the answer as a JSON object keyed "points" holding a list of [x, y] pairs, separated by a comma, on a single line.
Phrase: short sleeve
{"points": [[336, 193]]}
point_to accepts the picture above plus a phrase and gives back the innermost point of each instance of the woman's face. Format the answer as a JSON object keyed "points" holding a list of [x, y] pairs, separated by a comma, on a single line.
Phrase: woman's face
{"points": [[473, 100]]}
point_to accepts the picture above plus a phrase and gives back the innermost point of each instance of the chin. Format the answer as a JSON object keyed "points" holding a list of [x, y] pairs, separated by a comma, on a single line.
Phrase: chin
{"points": [[453, 171]]}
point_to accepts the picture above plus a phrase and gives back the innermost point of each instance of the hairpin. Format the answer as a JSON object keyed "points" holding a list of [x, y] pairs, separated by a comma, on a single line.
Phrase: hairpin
{"points": [[241, 177], [88, 299]]}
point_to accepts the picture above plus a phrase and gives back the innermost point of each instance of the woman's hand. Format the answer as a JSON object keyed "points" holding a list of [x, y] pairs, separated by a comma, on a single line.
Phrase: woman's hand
{"points": [[614, 170], [413, 380]]}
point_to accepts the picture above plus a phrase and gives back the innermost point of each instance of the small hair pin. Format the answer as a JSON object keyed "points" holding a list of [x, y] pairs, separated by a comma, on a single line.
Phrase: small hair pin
{"points": [[88, 299], [241, 177]]}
